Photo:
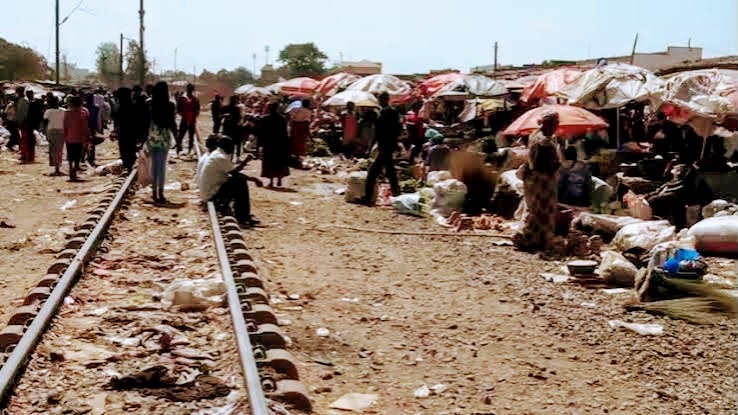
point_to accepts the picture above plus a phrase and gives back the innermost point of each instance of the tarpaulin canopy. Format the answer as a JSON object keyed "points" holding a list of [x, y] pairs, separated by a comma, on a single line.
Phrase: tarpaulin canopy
{"points": [[274, 88], [572, 121], [473, 108], [702, 98], [359, 98], [330, 85], [549, 83], [304, 87], [375, 84], [474, 85], [611, 86], [432, 85]]}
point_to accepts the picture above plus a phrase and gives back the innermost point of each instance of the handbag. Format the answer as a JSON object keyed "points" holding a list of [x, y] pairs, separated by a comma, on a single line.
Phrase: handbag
{"points": [[144, 169]]}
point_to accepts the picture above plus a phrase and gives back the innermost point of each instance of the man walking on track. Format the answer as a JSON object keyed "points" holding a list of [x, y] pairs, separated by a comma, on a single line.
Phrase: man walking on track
{"points": [[188, 107], [387, 132]]}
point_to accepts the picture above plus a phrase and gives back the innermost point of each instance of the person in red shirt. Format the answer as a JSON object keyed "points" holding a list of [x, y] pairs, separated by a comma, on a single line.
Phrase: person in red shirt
{"points": [[188, 107], [76, 134]]}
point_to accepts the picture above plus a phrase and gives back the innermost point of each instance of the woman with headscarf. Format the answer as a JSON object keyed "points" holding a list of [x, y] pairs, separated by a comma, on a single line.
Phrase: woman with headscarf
{"points": [[163, 128], [539, 175], [274, 141], [127, 128]]}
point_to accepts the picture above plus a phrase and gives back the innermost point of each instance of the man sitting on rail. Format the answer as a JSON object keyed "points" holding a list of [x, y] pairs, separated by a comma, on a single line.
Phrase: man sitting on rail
{"points": [[211, 144], [222, 184]]}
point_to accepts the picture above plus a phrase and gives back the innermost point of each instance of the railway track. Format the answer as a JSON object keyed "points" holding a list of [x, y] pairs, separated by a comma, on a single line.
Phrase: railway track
{"points": [[100, 334]]}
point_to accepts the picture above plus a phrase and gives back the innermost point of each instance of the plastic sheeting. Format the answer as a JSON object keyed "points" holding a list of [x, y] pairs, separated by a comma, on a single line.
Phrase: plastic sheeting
{"points": [[359, 98], [475, 107], [549, 83], [612, 86], [375, 84], [474, 85], [702, 98], [330, 85], [572, 121]]}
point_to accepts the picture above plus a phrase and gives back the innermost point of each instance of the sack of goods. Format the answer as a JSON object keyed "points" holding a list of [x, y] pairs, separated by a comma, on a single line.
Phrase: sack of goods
{"points": [[355, 187], [450, 195], [717, 235], [438, 176]]}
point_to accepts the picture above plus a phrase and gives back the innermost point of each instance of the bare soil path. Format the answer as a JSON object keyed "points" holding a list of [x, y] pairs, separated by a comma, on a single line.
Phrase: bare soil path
{"points": [[407, 311]]}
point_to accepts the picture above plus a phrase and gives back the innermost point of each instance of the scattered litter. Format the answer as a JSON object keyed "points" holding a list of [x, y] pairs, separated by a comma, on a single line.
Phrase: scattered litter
{"points": [[422, 392], [718, 281], [114, 167], [340, 191], [295, 203], [173, 186], [588, 305], [615, 291], [439, 388], [350, 300], [555, 277], [322, 332], [642, 329], [197, 294], [69, 204], [617, 270], [502, 242], [157, 381], [356, 402], [6, 225]]}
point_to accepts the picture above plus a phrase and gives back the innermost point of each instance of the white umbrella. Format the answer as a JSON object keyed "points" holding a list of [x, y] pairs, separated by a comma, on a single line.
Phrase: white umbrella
{"points": [[473, 85], [375, 84], [359, 98], [611, 86]]}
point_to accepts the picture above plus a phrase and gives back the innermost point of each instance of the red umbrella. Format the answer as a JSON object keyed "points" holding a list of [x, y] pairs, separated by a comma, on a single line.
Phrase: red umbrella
{"points": [[303, 87], [432, 85], [330, 84], [549, 84], [572, 121]]}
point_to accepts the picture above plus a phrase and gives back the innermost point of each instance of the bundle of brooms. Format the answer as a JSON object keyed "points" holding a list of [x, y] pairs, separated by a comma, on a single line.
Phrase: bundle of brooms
{"points": [[701, 304]]}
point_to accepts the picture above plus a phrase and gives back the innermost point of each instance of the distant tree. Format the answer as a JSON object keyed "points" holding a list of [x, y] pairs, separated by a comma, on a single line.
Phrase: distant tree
{"points": [[20, 63], [133, 59], [303, 60], [107, 62]]}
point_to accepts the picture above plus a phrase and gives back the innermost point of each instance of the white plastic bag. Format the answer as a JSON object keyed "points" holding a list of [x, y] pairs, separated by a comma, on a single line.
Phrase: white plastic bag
{"points": [[718, 206], [642, 329], [356, 186], [438, 176], [638, 206], [194, 293], [617, 270], [450, 195], [717, 235], [511, 180], [644, 235], [408, 204]]}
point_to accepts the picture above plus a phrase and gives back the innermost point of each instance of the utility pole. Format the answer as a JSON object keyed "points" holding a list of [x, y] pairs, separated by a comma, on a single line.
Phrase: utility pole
{"points": [[494, 68], [56, 75], [266, 52], [120, 62], [175, 62], [633, 52], [142, 57]]}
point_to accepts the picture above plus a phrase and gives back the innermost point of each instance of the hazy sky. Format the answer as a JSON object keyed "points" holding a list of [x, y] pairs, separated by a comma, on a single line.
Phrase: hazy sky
{"points": [[405, 35]]}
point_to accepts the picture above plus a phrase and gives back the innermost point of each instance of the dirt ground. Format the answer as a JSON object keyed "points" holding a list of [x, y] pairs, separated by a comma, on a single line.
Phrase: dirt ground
{"points": [[406, 311], [34, 202]]}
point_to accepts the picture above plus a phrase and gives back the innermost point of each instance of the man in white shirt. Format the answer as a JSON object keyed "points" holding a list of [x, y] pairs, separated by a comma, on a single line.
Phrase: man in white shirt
{"points": [[211, 143], [222, 184]]}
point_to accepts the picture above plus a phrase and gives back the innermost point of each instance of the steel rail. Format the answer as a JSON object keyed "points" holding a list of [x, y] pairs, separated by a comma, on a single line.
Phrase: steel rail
{"points": [[15, 363], [257, 399]]}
